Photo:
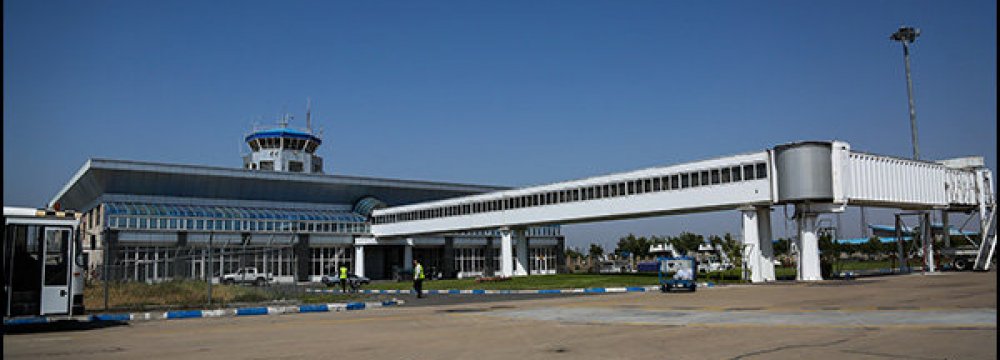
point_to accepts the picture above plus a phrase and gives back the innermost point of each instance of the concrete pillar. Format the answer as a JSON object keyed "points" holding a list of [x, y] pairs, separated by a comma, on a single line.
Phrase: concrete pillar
{"points": [[808, 264], [946, 230], [561, 256], [359, 260], [408, 255], [302, 258], [506, 253], [182, 262], [766, 245], [928, 238], [448, 260], [111, 262], [751, 245], [521, 265], [488, 269]]}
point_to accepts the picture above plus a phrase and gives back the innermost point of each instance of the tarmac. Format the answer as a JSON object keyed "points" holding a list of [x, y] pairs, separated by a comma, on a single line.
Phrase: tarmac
{"points": [[948, 316]]}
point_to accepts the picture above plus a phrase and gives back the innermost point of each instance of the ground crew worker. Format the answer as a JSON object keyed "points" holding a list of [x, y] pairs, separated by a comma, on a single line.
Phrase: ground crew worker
{"points": [[343, 278], [418, 278]]}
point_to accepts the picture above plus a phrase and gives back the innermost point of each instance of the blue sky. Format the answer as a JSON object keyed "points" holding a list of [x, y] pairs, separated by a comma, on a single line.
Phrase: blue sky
{"points": [[506, 92]]}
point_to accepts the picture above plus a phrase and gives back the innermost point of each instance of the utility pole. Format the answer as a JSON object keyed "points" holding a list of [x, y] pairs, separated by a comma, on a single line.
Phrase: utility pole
{"points": [[907, 35]]}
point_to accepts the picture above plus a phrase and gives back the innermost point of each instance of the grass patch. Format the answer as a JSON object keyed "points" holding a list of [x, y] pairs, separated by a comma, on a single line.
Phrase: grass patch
{"points": [[188, 294], [569, 281], [560, 281], [862, 265]]}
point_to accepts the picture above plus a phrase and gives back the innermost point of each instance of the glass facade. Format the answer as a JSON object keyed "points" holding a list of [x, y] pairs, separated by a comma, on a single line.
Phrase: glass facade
{"points": [[150, 248], [147, 216]]}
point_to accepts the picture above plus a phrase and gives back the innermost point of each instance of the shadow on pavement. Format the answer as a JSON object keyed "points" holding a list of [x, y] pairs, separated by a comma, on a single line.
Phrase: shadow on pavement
{"points": [[60, 326]]}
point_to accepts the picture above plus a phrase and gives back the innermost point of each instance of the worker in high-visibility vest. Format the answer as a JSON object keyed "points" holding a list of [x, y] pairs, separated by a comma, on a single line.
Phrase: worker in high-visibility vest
{"points": [[418, 278], [343, 278]]}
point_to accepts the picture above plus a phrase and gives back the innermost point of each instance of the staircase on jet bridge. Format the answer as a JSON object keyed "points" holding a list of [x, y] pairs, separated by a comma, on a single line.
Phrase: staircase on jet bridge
{"points": [[989, 239]]}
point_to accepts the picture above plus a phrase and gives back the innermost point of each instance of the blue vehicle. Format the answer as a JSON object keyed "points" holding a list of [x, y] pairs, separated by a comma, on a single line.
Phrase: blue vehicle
{"points": [[678, 273]]}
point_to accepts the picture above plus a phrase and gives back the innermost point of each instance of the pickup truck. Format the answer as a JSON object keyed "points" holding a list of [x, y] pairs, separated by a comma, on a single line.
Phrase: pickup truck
{"points": [[247, 275]]}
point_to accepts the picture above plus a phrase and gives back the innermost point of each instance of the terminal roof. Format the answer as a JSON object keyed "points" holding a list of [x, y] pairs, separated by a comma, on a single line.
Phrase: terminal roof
{"points": [[102, 176]]}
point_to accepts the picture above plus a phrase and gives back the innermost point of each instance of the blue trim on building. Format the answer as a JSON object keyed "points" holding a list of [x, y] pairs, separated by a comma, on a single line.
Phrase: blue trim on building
{"points": [[282, 133]]}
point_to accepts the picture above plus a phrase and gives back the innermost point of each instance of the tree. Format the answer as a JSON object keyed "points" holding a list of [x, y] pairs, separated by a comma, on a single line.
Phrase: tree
{"points": [[573, 253], [873, 247], [637, 246], [687, 242], [733, 249], [595, 252], [781, 247], [828, 248]]}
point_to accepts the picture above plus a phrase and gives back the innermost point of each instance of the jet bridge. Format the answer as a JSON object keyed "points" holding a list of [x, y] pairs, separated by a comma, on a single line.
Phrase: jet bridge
{"points": [[816, 177]]}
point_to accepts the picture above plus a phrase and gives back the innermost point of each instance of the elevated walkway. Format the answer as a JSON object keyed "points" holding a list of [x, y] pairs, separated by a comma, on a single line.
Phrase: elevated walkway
{"points": [[816, 177]]}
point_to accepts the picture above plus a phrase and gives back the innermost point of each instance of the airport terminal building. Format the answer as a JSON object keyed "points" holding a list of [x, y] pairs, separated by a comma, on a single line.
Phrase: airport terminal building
{"points": [[279, 213]]}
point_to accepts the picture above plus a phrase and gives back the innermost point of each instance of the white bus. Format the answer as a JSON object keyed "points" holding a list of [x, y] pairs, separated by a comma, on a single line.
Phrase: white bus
{"points": [[43, 263]]}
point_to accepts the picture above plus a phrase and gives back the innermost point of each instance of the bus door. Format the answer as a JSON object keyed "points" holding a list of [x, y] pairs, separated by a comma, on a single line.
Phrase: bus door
{"points": [[56, 269]]}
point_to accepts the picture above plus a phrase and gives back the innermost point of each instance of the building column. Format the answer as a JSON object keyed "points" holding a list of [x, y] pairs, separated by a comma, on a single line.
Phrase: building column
{"points": [[303, 257], [408, 255], [751, 244], [808, 243], [766, 243], [182, 263], [111, 257], [506, 253], [521, 266], [561, 255], [448, 260], [488, 269], [359, 260]]}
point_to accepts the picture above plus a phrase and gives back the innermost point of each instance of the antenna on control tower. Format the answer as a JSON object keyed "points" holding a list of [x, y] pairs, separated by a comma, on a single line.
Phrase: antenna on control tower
{"points": [[309, 115]]}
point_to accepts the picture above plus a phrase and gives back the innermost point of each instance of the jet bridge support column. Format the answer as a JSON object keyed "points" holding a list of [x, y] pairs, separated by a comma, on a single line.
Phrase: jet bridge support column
{"points": [[757, 251], [766, 245], [808, 244]]}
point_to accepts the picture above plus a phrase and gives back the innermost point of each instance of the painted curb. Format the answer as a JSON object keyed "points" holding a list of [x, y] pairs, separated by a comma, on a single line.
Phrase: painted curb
{"points": [[505, 292], [194, 314]]}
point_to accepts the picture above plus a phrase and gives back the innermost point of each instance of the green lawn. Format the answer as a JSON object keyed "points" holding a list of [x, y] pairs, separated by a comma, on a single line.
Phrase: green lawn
{"points": [[577, 281], [560, 281], [861, 265]]}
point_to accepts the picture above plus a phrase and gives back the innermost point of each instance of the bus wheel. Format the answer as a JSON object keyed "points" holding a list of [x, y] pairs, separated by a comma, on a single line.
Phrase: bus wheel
{"points": [[961, 264]]}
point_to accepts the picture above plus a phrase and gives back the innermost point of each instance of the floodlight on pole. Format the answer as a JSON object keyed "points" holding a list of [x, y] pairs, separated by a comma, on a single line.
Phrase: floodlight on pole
{"points": [[907, 35]]}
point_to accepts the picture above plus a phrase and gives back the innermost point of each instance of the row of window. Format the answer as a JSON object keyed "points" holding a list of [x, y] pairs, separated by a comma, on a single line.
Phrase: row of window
{"points": [[291, 166], [152, 264], [157, 263], [283, 143], [145, 223], [616, 189], [228, 212], [471, 262], [551, 230]]}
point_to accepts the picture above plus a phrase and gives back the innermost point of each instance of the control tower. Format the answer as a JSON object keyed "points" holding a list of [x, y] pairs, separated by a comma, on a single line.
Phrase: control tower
{"points": [[284, 149]]}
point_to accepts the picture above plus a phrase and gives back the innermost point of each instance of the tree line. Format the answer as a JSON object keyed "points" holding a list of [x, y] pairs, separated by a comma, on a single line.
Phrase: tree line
{"points": [[687, 243]]}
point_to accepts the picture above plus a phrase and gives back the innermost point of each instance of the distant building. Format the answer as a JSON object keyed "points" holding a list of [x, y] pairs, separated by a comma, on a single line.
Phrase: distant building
{"points": [[280, 213]]}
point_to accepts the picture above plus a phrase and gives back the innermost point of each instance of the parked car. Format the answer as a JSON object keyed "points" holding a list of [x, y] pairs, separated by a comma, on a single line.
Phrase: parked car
{"points": [[248, 275], [353, 281]]}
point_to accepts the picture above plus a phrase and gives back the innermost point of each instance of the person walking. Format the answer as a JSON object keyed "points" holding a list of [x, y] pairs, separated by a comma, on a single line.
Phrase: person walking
{"points": [[418, 278], [343, 279]]}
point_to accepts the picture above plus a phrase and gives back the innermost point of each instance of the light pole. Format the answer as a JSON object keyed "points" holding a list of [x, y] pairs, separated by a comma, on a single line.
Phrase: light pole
{"points": [[907, 35]]}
